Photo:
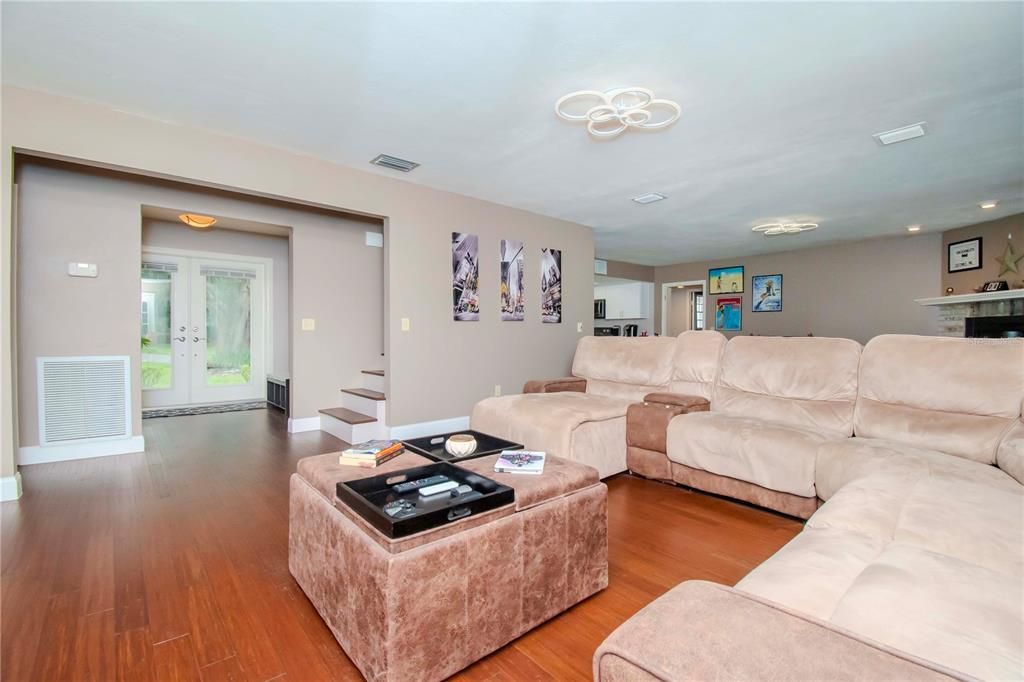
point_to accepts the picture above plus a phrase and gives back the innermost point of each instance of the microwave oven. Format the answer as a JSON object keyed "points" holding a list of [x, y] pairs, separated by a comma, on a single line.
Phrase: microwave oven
{"points": [[599, 308]]}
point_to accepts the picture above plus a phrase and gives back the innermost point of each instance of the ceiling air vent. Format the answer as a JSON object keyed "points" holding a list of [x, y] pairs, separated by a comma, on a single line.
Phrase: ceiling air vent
{"points": [[394, 163], [84, 398], [901, 134]]}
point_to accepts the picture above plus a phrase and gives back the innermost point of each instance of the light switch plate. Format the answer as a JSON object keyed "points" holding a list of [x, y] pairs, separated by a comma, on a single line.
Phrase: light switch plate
{"points": [[579, 327], [82, 269], [405, 324], [497, 390], [308, 324]]}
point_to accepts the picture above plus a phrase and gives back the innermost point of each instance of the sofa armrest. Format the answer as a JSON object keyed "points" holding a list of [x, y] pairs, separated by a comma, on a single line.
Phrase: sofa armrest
{"points": [[647, 422], [692, 403], [703, 631], [555, 385]]}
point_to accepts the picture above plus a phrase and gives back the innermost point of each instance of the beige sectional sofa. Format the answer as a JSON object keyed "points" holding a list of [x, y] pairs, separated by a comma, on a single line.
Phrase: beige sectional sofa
{"points": [[912, 568], [583, 417]]}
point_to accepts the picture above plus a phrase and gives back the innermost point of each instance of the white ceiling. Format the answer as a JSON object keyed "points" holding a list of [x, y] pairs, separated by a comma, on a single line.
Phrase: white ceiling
{"points": [[779, 103]]}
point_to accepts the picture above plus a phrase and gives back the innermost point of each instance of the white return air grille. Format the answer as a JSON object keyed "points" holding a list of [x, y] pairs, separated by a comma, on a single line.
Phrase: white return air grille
{"points": [[84, 398]]}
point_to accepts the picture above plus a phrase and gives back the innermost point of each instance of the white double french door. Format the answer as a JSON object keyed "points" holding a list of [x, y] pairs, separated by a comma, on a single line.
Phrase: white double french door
{"points": [[203, 329]]}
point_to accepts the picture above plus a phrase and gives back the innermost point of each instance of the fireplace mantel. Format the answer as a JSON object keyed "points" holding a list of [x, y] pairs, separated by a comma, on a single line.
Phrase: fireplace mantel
{"points": [[973, 298]]}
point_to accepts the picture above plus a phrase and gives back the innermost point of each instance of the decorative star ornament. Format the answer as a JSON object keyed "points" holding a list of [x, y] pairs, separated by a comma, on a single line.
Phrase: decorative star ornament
{"points": [[1009, 260]]}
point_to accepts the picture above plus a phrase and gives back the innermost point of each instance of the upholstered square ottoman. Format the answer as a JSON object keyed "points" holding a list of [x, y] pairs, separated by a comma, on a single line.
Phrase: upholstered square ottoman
{"points": [[423, 607]]}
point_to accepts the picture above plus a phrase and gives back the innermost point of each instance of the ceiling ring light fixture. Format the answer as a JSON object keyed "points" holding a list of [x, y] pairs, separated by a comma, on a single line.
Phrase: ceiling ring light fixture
{"points": [[775, 229], [610, 113]]}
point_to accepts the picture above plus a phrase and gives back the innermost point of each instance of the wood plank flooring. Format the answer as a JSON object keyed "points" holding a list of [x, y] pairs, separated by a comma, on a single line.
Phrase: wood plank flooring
{"points": [[172, 564]]}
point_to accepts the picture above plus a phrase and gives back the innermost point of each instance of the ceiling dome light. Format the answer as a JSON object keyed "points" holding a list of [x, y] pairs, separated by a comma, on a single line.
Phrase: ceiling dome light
{"points": [[775, 229], [608, 114], [913, 228], [988, 204], [198, 222]]}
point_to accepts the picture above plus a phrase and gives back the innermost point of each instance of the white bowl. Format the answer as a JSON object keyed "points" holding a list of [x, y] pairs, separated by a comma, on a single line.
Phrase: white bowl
{"points": [[460, 445]]}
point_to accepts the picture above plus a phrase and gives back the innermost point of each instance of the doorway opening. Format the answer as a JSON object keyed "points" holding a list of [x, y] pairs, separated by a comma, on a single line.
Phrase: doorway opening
{"points": [[682, 307]]}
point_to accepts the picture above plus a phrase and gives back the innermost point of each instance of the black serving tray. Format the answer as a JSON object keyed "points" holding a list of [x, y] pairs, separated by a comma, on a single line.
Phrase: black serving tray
{"points": [[432, 447], [367, 497]]}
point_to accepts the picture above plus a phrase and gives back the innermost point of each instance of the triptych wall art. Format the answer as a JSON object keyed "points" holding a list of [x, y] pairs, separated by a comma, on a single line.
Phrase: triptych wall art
{"points": [[466, 284]]}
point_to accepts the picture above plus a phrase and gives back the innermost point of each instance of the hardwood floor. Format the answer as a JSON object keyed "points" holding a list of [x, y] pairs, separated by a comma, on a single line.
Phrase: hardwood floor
{"points": [[172, 564]]}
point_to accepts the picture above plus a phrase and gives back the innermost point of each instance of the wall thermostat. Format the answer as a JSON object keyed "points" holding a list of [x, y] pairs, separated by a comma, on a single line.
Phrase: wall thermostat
{"points": [[82, 269]]}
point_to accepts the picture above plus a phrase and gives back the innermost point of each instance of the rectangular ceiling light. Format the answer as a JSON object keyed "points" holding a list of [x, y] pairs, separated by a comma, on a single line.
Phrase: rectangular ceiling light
{"points": [[901, 134], [648, 198], [394, 163]]}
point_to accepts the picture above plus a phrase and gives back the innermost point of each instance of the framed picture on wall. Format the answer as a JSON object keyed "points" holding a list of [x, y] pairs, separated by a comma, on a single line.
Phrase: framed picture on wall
{"points": [[964, 255], [725, 280], [551, 285], [766, 296], [729, 314], [465, 274], [513, 306]]}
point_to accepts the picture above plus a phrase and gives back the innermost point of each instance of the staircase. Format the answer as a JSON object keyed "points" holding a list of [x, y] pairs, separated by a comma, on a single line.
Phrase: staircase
{"points": [[362, 413]]}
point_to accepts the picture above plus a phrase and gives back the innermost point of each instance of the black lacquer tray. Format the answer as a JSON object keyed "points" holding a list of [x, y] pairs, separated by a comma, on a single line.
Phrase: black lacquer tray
{"points": [[367, 497]]}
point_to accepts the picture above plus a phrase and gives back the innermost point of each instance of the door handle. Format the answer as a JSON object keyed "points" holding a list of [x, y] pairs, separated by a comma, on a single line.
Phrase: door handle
{"points": [[196, 339], [180, 338]]}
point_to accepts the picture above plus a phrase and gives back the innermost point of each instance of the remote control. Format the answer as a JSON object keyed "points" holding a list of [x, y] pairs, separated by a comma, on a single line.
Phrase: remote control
{"points": [[438, 488], [409, 486], [400, 509]]}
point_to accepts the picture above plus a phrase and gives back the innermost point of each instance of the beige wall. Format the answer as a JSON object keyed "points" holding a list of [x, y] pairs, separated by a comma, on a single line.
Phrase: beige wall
{"points": [[855, 290], [994, 236], [73, 214], [162, 234], [436, 370], [622, 270]]}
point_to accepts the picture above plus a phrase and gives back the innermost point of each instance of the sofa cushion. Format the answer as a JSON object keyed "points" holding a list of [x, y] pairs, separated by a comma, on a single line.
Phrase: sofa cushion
{"points": [[907, 392], [695, 362], [581, 426], [770, 454], [887, 465], [941, 608], [625, 368], [916, 549], [1010, 456], [807, 382]]}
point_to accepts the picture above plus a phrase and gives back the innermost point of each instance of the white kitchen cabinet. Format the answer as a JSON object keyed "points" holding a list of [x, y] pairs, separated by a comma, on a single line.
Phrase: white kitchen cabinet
{"points": [[624, 301]]}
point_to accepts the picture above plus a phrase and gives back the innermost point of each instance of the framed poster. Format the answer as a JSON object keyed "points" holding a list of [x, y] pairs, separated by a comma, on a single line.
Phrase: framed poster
{"points": [[465, 277], [729, 314], [766, 296], [513, 306], [551, 285], [725, 280], [964, 255]]}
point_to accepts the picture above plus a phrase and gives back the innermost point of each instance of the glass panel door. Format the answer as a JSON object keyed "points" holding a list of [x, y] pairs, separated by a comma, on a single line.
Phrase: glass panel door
{"points": [[227, 330], [203, 330], [164, 362]]}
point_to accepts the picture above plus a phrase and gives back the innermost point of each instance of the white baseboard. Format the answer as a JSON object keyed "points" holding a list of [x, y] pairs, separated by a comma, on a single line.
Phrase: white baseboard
{"points": [[303, 424], [429, 428], [42, 454], [10, 487]]}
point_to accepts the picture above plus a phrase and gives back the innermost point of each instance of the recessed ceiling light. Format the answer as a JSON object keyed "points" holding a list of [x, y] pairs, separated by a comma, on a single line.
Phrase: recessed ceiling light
{"points": [[913, 228], [610, 113], [775, 229], [198, 222], [648, 198], [901, 134], [989, 204]]}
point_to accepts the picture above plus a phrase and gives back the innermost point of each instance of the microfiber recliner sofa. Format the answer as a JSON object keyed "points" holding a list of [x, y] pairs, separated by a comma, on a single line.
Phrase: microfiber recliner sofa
{"points": [[583, 417], [913, 566]]}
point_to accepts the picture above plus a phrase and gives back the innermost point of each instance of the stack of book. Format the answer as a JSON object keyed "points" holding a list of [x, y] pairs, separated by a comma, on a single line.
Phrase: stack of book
{"points": [[372, 453]]}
